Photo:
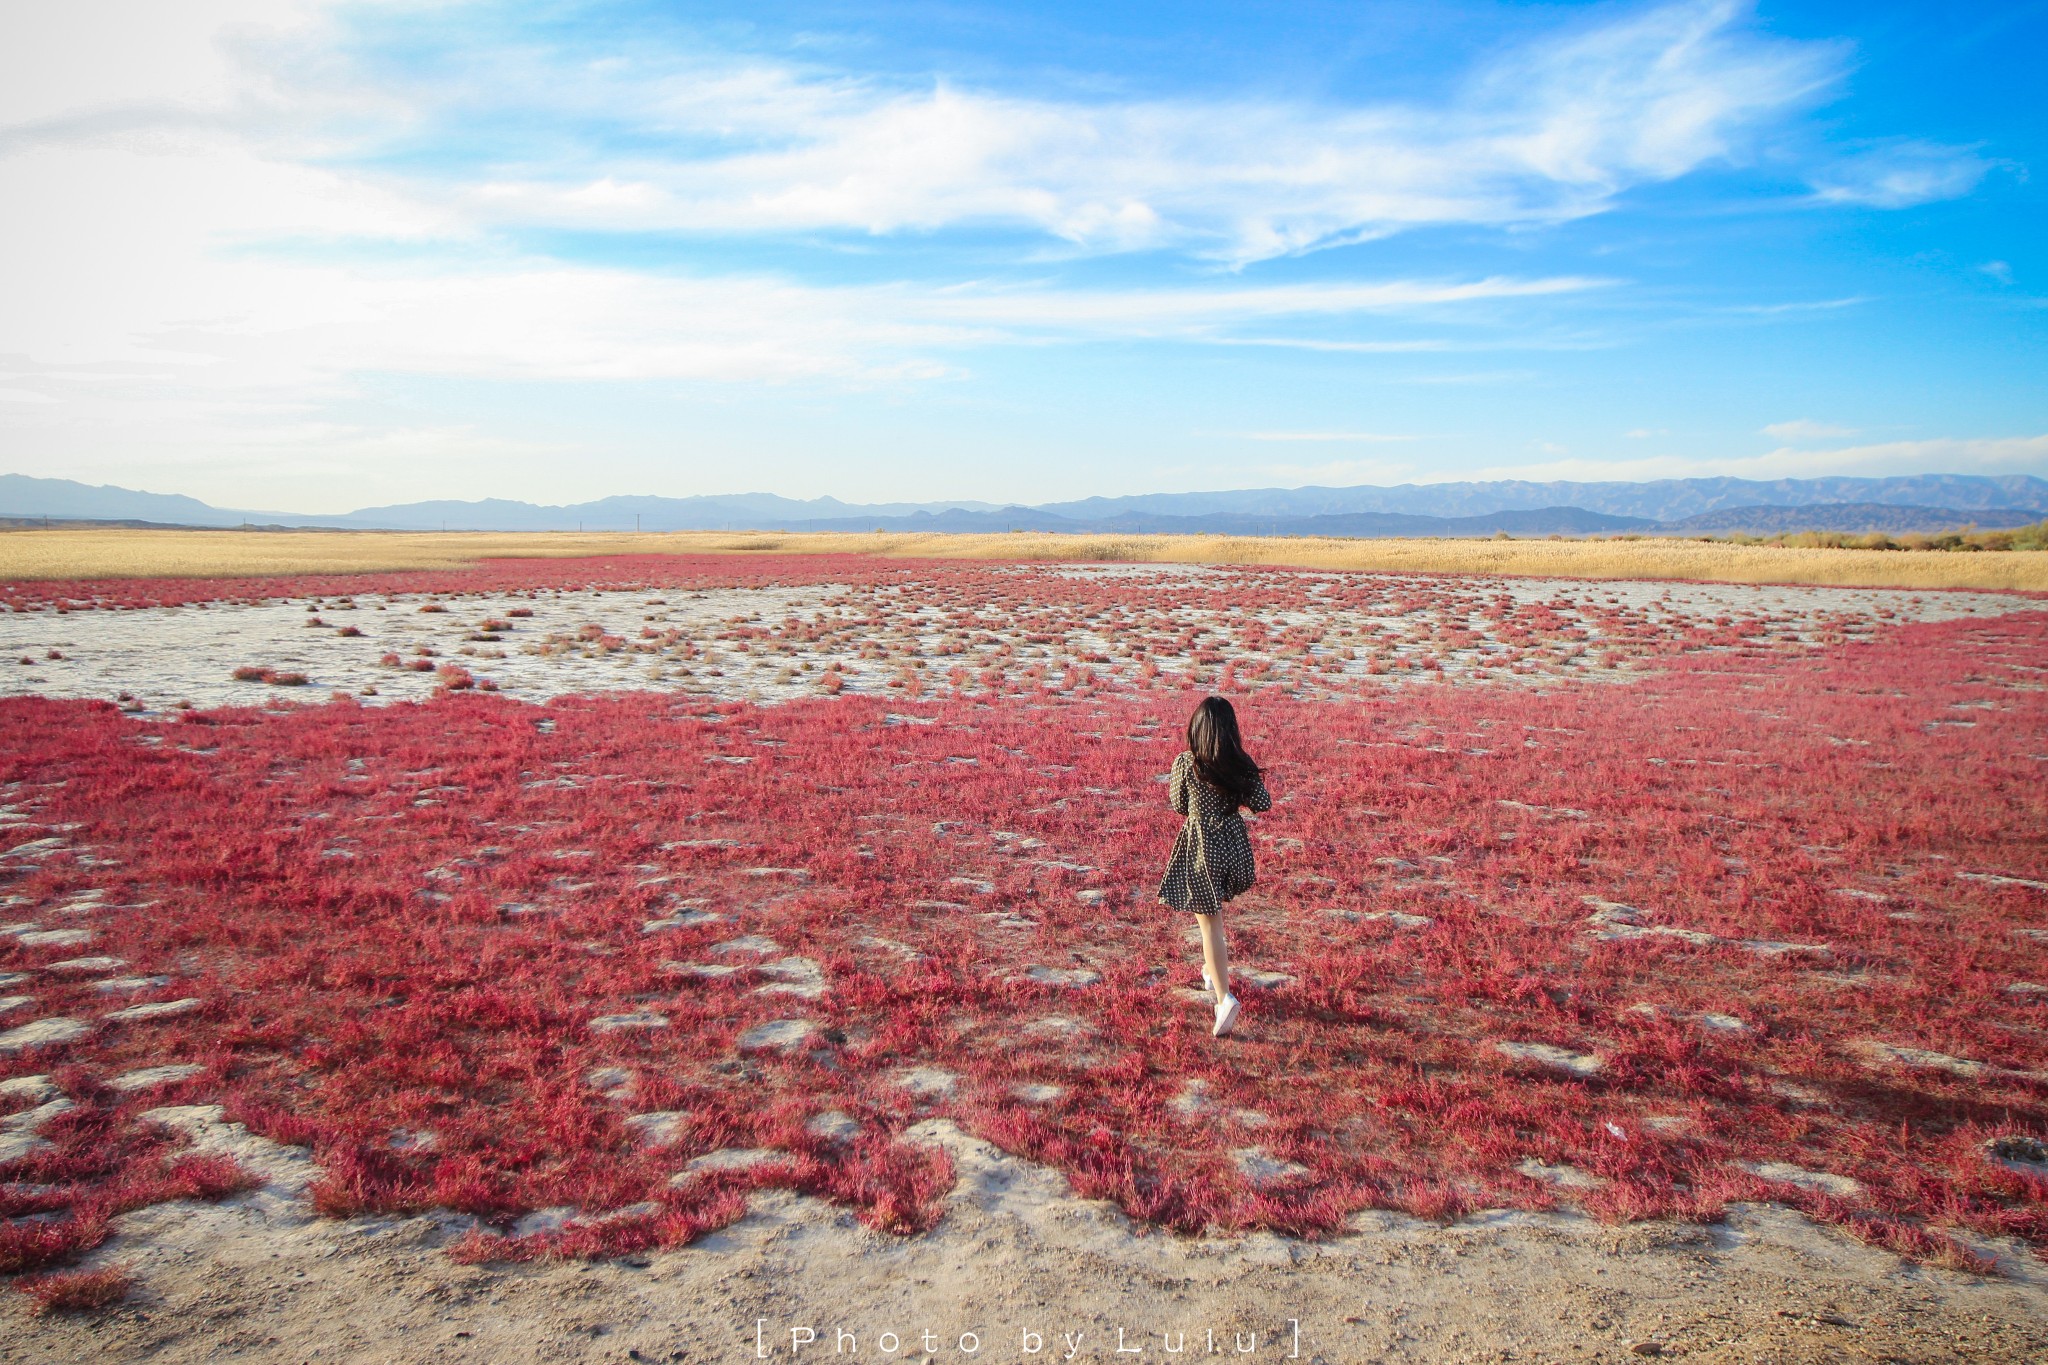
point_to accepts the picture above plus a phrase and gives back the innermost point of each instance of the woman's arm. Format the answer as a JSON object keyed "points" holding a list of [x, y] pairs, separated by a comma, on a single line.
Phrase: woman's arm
{"points": [[1260, 801], [1177, 785]]}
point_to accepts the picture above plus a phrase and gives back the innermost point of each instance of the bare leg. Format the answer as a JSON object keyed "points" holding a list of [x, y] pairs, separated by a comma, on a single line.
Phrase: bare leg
{"points": [[1215, 954]]}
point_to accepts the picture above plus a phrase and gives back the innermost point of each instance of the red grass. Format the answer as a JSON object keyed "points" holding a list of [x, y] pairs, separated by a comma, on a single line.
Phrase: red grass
{"points": [[98, 1162], [441, 978], [77, 1291], [493, 576]]}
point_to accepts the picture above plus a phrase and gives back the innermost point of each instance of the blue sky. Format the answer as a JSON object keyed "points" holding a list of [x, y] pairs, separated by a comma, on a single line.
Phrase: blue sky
{"points": [[313, 257]]}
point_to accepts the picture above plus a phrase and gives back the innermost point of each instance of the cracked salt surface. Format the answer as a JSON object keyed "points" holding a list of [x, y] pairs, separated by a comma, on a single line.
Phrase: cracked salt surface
{"points": [[657, 1129], [781, 1035], [833, 1126], [1566, 1177], [929, 1082], [727, 1159], [43, 1033], [148, 1077], [620, 1023], [159, 1009], [1784, 1173], [163, 655], [1547, 1054]]}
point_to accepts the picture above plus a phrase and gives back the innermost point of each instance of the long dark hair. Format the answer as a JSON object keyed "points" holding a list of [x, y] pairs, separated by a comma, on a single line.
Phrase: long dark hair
{"points": [[1218, 750]]}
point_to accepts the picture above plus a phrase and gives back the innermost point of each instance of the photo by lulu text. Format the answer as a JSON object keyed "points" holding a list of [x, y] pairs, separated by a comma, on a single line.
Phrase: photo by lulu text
{"points": [[801, 1341]]}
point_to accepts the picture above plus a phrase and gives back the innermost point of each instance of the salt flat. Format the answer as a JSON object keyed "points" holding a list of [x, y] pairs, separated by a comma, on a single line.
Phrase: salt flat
{"points": [[772, 644]]}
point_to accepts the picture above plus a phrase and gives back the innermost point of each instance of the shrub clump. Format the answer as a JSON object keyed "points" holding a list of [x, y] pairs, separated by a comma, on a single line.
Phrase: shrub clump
{"points": [[77, 1291], [1966, 539], [275, 677]]}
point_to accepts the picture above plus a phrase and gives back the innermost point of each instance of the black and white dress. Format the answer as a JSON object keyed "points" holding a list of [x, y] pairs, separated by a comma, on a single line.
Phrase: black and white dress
{"points": [[1212, 856]]}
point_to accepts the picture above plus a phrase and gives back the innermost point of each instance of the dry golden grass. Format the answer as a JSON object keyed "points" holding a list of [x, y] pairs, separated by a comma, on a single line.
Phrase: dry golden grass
{"points": [[32, 554]]}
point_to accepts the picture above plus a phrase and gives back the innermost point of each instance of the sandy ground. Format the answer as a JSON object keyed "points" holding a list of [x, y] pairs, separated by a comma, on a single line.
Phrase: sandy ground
{"points": [[112, 553], [162, 656], [1019, 1263]]}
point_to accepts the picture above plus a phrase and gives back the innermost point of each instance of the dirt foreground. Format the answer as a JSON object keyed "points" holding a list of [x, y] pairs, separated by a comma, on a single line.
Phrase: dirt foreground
{"points": [[115, 553], [1020, 1270]]}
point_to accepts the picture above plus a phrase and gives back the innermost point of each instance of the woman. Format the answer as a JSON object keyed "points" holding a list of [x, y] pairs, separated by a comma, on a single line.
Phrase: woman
{"points": [[1212, 856]]}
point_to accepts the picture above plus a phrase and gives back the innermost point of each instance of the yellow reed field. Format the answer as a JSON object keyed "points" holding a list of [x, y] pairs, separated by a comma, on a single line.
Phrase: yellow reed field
{"points": [[115, 553]]}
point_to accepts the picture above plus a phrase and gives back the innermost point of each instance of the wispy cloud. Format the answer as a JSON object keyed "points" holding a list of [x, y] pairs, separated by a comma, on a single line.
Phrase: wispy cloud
{"points": [[1798, 306], [1200, 309], [701, 140], [1332, 473], [1804, 429], [1369, 437], [1469, 377], [1900, 174], [1976, 455], [1557, 129], [230, 220], [1983, 455], [1418, 346]]}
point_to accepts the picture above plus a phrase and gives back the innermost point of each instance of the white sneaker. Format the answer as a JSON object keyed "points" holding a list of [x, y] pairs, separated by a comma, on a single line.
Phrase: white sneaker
{"points": [[1208, 982], [1226, 1016]]}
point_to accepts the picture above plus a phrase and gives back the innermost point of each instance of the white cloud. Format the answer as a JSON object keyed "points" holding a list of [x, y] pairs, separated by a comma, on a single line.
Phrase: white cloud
{"points": [[1955, 455], [1369, 437], [175, 302], [1468, 377], [1418, 345], [1552, 131], [1981, 455], [141, 57], [1900, 174], [1335, 473], [218, 329], [184, 262], [1644, 433], [1200, 309], [1803, 429], [714, 142], [201, 256], [1798, 306]]}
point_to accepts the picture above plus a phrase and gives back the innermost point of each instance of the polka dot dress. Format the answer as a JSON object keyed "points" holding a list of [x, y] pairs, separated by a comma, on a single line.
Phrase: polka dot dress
{"points": [[1212, 855]]}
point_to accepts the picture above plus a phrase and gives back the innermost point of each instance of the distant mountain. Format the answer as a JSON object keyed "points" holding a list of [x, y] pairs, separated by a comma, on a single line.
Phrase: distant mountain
{"points": [[1660, 500], [97, 523], [1543, 521], [1907, 503], [63, 499], [1855, 516], [741, 511]]}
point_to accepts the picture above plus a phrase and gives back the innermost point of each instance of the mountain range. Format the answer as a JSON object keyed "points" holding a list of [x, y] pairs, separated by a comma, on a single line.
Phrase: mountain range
{"points": [[1920, 502]]}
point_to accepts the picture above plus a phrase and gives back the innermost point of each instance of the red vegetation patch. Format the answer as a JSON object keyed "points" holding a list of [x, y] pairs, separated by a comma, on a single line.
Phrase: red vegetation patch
{"points": [[1762, 927], [620, 572], [77, 1291], [95, 1161]]}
